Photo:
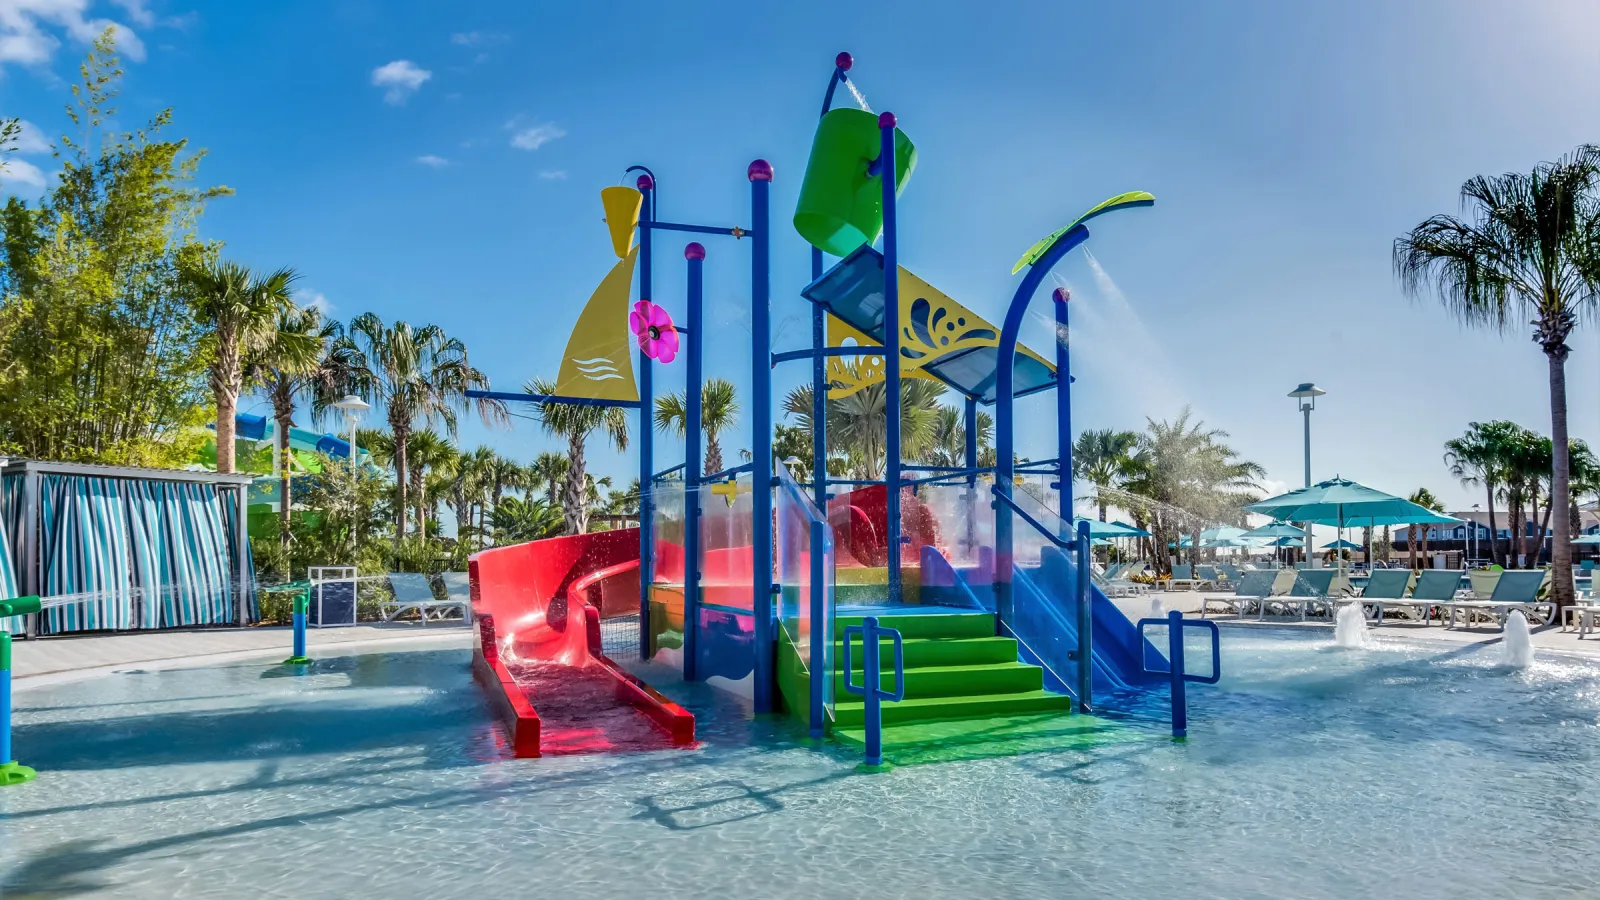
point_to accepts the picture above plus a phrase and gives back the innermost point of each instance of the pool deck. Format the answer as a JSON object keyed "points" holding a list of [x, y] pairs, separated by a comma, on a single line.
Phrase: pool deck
{"points": [[1546, 637], [68, 658]]}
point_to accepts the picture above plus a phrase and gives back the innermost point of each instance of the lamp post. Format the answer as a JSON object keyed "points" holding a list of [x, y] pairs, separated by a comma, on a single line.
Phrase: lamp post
{"points": [[353, 407], [1475, 508], [1307, 394]]}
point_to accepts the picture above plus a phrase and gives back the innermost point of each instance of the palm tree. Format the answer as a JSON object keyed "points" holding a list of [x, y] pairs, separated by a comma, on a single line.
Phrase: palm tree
{"points": [[856, 424], [575, 422], [413, 374], [427, 453], [1528, 251], [549, 470], [1478, 458], [469, 491], [302, 358], [1193, 479], [239, 311], [1425, 499], [1104, 458], [719, 409], [516, 521]]}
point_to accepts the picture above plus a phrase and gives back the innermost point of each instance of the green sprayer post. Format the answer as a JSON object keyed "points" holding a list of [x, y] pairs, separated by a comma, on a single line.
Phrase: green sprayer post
{"points": [[11, 772], [302, 604]]}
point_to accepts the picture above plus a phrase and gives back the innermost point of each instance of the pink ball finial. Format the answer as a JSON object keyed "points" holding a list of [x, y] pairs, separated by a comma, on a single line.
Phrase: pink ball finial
{"points": [[886, 120], [760, 170], [645, 182], [695, 250], [1063, 295], [844, 61]]}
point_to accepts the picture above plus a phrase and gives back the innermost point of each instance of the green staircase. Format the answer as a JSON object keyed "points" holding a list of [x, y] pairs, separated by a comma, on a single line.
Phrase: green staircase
{"points": [[955, 668]]}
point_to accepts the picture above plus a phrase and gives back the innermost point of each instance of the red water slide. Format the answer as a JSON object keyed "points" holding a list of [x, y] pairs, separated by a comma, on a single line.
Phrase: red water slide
{"points": [[539, 653]]}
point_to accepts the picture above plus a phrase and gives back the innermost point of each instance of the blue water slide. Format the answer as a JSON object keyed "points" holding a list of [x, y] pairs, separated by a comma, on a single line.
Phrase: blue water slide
{"points": [[1119, 651]]}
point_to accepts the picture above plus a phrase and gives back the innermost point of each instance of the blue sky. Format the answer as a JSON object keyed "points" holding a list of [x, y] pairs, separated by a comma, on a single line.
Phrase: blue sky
{"points": [[442, 163]]}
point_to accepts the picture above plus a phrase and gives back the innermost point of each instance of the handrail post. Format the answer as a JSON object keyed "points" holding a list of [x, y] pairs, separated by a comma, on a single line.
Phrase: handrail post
{"points": [[871, 686], [1085, 623], [693, 465], [1180, 698]]}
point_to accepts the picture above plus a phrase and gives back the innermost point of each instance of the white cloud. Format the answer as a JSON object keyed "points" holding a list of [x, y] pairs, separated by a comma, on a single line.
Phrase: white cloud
{"points": [[28, 29], [20, 171], [314, 300], [399, 79], [554, 174], [478, 38], [137, 11], [534, 136], [31, 140], [433, 162]]}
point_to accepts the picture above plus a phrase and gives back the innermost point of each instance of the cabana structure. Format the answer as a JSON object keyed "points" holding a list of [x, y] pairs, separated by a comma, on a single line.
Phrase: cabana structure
{"points": [[122, 548]]}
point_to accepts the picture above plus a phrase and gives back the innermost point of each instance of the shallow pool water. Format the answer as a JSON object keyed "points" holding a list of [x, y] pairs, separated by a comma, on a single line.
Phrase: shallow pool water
{"points": [[1408, 770]]}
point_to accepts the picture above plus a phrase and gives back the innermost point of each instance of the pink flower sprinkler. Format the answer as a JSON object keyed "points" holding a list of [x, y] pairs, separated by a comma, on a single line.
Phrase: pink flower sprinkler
{"points": [[653, 327]]}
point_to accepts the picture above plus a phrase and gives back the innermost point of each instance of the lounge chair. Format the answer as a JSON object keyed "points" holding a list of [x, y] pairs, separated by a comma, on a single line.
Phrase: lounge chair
{"points": [[1386, 589], [1231, 573], [1185, 576], [1483, 583], [1253, 588], [1312, 587], [412, 591], [1208, 574], [1436, 587], [458, 589], [1516, 590]]}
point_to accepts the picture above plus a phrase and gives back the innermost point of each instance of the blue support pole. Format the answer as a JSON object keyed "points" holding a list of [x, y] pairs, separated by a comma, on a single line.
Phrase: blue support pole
{"points": [[1180, 694], [692, 464], [647, 212], [760, 174], [1005, 444], [819, 340], [1085, 624], [1063, 402], [891, 351], [871, 668], [971, 420]]}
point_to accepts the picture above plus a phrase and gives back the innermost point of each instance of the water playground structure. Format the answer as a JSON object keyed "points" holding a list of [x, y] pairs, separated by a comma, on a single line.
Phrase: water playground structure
{"points": [[929, 612]]}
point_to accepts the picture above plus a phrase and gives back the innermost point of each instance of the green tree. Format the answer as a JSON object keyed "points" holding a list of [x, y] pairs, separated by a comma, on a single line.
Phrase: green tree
{"points": [[413, 374], [239, 312], [1192, 479], [1525, 250], [428, 453], [1479, 459], [100, 358], [518, 520], [548, 470], [575, 422], [719, 409], [1417, 535], [856, 431], [1104, 458]]}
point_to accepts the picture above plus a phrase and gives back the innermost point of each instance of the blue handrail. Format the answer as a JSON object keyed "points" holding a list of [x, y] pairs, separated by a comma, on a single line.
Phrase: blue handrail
{"points": [[1175, 623], [871, 687], [726, 473], [1053, 538]]}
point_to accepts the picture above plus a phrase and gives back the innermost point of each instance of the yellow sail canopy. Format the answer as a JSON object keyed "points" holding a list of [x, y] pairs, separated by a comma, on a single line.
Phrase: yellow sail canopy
{"points": [[598, 362], [932, 326]]}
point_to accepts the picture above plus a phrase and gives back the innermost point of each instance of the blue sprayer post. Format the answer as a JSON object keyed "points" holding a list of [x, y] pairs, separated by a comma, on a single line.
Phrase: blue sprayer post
{"points": [[11, 772], [871, 686], [1180, 694], [302, 604]]}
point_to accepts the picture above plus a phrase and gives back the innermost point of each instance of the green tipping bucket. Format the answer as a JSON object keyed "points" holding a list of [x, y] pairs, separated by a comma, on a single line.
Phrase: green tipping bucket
{"points": [[840, 207]]}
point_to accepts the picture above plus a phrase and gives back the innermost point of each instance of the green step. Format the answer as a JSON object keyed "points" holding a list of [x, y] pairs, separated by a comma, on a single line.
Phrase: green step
{"points": [[951, 681], [929, 625], [936, 651], [850, 714], [953, 740]]}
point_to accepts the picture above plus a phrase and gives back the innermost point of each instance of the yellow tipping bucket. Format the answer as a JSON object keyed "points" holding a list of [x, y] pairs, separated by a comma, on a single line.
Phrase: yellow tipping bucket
{"points": [[622, 206], [840, 207]]}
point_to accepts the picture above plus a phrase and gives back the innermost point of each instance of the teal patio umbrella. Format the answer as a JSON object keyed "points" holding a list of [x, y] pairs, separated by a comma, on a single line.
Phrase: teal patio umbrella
{"points": [[1344, 503], [1275, 530], [1341, 544]]}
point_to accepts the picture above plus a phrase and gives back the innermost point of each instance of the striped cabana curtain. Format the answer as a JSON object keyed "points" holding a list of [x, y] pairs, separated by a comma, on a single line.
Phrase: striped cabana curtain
{"points": [[143, 553], [9, 586]]}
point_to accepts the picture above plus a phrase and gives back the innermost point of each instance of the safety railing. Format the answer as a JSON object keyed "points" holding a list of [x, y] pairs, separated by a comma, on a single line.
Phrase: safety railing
{"points": [[805, 562], [871, 687], [1176, 667], [1056, 632]]}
